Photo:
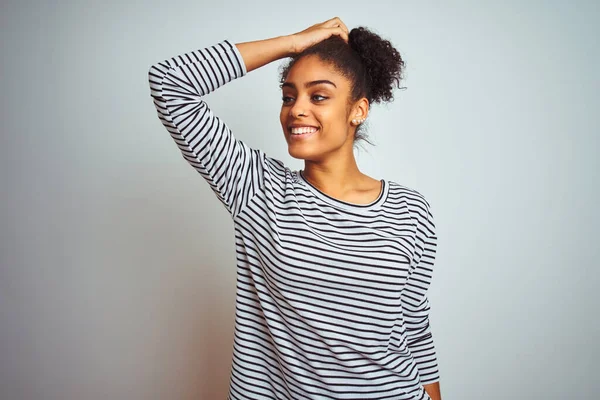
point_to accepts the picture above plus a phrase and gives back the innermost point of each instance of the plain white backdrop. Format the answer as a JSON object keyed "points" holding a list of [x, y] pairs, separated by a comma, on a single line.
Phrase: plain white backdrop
{"points": [[118, 268]]}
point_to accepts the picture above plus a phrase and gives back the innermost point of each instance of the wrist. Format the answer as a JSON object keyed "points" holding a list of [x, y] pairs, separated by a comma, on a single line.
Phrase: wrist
{"points": [[289, 45]]}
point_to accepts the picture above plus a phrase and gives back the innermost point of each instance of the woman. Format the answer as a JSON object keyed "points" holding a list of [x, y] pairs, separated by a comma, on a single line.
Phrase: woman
{"points": [[333, 266]]}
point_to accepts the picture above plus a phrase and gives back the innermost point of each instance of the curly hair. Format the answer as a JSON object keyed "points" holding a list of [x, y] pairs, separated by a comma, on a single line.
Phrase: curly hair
{"points": [[371, 64]]}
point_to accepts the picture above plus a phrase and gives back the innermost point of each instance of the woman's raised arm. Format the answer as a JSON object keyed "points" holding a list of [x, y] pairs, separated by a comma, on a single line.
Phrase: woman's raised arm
{"points": [[232, 169]]}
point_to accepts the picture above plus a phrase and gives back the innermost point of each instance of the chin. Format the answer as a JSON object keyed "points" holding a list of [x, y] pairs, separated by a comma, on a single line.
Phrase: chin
{"points": [[298, 154], [304, 153]]}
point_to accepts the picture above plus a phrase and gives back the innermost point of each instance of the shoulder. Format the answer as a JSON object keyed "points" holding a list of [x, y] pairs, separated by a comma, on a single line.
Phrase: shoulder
{"points": [[279, 170], [418, 205], [413, 197]]}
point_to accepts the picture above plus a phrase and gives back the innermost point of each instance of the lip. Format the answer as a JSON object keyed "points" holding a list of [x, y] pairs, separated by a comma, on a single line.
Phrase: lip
{"points": [[304, 135], [301, 126]]}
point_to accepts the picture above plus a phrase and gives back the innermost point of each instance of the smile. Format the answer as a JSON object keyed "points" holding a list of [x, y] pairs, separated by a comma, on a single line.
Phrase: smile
{"points": [[303, 130]]}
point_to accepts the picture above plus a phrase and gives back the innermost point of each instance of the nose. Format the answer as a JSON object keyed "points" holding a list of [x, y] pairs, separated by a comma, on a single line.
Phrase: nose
{"points": [[299, 109]]}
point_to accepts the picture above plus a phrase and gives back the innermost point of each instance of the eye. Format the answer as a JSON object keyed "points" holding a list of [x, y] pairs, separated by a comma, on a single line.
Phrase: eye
{"points": [[286, 99], [318, 97]]}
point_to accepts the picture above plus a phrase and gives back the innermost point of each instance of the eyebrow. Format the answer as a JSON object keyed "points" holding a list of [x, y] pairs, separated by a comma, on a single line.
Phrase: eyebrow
{"points": [[309, 84]]}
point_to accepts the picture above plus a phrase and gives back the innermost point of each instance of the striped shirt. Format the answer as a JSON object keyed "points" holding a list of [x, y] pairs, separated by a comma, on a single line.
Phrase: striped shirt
{"points": [[331, 296]]}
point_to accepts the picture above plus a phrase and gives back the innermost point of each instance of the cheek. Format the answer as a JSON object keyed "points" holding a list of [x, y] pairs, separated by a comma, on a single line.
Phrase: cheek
{"points": [[282, 116], [332, 116]]}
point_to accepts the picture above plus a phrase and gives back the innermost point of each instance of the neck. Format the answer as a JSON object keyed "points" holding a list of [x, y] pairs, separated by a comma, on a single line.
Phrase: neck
{"points": [[334, 175]]}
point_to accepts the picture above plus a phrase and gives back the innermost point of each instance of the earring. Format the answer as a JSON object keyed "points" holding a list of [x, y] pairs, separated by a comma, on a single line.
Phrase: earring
{"points": [[358, 121]]}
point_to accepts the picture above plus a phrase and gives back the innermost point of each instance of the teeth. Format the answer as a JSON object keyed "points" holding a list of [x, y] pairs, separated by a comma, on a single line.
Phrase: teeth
{"points": [[300, 131]]}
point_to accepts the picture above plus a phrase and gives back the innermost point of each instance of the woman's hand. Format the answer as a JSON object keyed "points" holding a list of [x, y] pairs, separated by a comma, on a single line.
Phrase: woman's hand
{"points": [[261, 52], [317, 33]]}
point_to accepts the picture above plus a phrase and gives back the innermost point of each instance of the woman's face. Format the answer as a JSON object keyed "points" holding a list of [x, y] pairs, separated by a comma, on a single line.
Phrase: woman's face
{"points": [[315, 104]]}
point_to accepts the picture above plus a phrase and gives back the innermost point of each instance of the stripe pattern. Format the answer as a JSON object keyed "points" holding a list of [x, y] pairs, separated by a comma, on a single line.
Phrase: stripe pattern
{"points": [[331, 296]]}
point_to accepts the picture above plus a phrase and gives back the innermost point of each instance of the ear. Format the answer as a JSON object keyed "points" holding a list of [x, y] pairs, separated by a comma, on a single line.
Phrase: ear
{"points": [[359, 112]]}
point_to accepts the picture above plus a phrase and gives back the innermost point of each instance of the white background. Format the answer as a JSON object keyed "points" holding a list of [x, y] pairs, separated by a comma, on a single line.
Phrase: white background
{"points": [[118, 267]]}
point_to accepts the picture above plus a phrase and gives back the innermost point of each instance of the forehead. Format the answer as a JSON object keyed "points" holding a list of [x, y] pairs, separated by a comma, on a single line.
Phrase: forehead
{"points": [[312, 68]]}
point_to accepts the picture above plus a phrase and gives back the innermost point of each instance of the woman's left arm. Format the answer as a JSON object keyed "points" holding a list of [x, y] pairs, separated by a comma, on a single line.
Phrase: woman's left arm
{"points": [[433, 390], [415, 301]]}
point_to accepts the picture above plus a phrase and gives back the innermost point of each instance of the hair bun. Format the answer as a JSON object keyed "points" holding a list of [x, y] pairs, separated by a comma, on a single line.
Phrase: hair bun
{"points": [[383, 64]]}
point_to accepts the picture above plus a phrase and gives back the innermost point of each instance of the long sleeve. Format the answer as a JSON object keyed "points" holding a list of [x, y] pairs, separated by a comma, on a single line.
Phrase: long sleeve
{"points": [[414, 298], [232, 169]]}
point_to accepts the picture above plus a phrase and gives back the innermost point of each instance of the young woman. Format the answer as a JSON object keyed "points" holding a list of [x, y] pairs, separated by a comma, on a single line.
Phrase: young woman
{"points": [[333, 266]]}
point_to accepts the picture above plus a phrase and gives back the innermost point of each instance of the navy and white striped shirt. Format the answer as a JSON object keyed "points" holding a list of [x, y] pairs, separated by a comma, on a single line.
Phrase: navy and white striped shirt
{"points": [[331, 296]]}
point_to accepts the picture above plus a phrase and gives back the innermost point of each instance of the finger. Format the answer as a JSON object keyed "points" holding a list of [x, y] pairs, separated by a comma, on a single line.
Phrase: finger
{"points": [[331, 23], [344, 35], [340, 32], [340, 23], [344, 27]]}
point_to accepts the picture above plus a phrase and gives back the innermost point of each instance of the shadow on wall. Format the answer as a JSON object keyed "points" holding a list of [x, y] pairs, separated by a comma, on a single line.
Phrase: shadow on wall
{"points": [[169, 294]]}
